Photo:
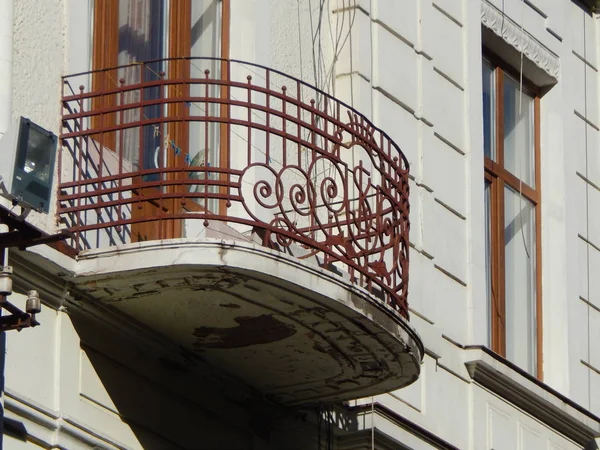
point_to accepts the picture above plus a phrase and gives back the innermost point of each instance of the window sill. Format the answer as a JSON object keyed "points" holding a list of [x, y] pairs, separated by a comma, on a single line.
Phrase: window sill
{"points": [[493, 372], [594, 5]]}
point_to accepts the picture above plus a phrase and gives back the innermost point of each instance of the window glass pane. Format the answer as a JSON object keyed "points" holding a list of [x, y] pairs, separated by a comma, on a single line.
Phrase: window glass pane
{"points": [[205, 32], [141, 30], [142, 25], [518, 132], [520, 280], [489, 112], [488, 258]]}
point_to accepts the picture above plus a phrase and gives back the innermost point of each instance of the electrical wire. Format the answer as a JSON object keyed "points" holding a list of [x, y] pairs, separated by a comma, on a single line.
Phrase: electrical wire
{"points": [[525, 246]]}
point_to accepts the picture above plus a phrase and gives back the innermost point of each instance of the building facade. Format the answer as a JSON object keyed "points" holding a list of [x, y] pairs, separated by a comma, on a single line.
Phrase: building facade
{"points": [[349, 224]]}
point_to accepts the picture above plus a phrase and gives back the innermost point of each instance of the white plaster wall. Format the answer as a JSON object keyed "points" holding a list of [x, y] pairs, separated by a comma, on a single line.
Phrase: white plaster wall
{"points": [[498, 425], [414, 68], [38, 63], [423, 71], [78, 46], [581, 143], [79, 382], [59, 384], [50, 39], [501, 426], [282, 35]]}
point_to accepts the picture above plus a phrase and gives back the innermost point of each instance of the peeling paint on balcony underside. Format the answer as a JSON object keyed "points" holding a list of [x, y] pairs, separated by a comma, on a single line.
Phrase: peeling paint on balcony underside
{"points": [[294, 334], [263, 329]]}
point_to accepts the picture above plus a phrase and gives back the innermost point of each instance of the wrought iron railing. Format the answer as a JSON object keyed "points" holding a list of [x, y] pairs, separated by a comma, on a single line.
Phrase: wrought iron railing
{"points": [[147, 155]]}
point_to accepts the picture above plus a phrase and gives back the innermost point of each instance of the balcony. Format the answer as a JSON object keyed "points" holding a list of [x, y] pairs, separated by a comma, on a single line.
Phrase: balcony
{"points": [[247, 216]]}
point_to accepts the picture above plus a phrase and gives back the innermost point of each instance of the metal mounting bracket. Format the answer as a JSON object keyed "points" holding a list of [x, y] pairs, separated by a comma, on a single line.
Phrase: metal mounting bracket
{"points": [[20, 234]]}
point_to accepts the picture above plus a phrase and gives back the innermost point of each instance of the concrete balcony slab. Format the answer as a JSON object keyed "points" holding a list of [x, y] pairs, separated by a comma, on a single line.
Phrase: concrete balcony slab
{"points": [[298, 333]]}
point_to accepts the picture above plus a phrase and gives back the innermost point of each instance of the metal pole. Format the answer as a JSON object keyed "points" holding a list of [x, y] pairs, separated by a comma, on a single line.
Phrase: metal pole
{"points": [[2, 363], [3, 261]]}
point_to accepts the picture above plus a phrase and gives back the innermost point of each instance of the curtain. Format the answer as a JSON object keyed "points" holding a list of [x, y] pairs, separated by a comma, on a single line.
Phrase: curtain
{"points": [[141, 39]]}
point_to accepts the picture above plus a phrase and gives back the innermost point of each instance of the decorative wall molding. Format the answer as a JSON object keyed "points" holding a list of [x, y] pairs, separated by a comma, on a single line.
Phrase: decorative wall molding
{"points": [[49, 427], [532, 396], [362, 439], [511, 32]]}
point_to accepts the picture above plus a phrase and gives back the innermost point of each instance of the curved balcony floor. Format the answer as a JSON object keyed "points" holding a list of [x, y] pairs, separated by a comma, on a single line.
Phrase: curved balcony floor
{"points": [[298, 333]]}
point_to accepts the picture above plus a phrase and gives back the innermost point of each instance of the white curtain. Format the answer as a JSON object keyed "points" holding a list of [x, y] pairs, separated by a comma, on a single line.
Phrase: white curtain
{"points": [[205, 23], [141, 39]]}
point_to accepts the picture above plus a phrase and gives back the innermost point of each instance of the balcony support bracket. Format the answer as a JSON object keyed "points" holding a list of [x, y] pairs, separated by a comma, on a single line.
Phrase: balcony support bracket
{"points": [[21, 235]]}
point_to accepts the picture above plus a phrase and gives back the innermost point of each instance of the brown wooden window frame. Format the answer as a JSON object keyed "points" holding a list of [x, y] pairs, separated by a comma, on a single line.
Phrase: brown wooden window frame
{"points": [[105, 44], [498, 176]]}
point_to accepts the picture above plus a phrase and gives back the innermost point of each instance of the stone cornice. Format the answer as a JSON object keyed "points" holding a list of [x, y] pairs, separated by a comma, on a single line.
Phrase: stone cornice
{"points": [[594, 5], [532, 396], [511, 32]]}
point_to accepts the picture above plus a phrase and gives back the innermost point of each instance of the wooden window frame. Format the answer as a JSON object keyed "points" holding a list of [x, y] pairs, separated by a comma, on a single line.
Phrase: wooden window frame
{"points": [[105, 55], [498, 177]]}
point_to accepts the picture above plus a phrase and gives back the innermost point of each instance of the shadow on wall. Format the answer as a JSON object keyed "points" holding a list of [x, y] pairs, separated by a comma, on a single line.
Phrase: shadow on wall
{"points": [[174, 401], [15, 429], [167, 401]]}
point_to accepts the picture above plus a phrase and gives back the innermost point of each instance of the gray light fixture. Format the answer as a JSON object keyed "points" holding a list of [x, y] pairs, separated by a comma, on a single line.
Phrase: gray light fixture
{"points": [[27, 152]]}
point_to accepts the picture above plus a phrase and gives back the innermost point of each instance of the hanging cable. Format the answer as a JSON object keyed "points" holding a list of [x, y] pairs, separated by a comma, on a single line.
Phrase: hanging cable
{"points": [[522, 45]]}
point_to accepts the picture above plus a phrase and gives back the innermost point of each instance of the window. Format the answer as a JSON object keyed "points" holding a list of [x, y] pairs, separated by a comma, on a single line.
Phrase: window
{"points": [[512, 210], [156, 33]]}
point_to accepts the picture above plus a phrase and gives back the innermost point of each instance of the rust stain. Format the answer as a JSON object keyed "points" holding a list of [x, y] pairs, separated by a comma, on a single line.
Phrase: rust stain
{"points": [[250, 331]]}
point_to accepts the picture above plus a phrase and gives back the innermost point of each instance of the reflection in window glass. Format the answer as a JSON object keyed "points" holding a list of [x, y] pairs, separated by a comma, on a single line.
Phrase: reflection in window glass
{"points": [[518, 132], [489, 108], [205, 31], [39, 155], [488, 256], [520, 280], [142, 25]]}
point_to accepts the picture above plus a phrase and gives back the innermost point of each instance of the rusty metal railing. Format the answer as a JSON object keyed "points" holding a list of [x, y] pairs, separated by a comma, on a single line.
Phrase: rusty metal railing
{"points": [[266, 157]]}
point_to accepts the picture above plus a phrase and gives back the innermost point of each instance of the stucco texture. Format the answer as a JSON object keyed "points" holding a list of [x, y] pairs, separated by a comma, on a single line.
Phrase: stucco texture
{"points": [[38, 61]]}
